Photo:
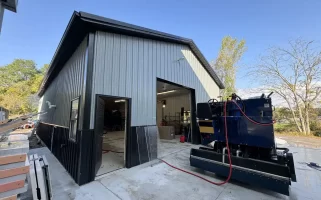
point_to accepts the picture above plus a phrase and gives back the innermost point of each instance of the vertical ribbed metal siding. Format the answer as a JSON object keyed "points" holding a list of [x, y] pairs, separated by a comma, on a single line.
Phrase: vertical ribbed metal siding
{"points": [[65, 87], [128, 66]]}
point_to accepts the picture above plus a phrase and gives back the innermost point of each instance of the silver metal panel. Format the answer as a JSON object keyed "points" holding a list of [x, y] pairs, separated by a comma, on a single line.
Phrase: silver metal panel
{"points": [[65, 87], [122, 66], [130, 66]]}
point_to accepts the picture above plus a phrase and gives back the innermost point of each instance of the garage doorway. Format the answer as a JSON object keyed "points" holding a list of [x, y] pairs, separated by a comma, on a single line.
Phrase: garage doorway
{"points": [[111, 125], [174, 117]]}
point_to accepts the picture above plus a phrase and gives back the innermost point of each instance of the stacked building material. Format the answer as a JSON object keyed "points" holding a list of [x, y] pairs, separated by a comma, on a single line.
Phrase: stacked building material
{"points": [[40, 177], [14, 166]]}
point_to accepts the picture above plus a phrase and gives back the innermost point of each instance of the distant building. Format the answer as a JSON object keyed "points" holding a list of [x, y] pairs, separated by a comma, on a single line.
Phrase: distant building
{"points": [[4, 114], [9, 5]]}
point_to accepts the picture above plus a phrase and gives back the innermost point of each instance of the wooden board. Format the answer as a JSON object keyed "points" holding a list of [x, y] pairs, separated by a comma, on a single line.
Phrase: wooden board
{"points": [[11, 125], [21, 131], [14, 171], [12, 159], [13, 197], [14, 192], [12, 186]]}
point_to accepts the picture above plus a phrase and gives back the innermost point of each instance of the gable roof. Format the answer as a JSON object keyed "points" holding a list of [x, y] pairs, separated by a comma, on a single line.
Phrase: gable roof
{"points": [[81, 23]]}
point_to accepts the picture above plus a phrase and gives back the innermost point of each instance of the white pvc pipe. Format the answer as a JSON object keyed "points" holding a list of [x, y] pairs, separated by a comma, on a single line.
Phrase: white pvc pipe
{"points": [[223, 155], [238, 153]]}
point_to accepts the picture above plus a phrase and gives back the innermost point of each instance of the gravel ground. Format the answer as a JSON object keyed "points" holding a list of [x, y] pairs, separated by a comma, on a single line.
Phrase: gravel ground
{"points": [[301, 141]]}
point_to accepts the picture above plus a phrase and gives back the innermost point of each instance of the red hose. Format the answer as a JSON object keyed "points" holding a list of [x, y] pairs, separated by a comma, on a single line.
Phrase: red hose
{"points": [[227, 146], [254, 122], [229, 158], [107, 150]]}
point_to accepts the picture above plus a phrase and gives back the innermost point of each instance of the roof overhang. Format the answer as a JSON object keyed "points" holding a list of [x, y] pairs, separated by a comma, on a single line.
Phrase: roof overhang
{"points": [[82, 23], [10, 5]]}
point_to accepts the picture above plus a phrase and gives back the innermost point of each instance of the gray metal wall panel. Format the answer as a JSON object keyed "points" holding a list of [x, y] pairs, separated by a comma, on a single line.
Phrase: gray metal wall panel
{"points": [[130, 66], [65, 87]]}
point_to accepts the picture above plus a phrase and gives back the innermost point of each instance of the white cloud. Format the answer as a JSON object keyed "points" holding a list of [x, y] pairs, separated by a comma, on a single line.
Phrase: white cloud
{"points": [[277, 101]]}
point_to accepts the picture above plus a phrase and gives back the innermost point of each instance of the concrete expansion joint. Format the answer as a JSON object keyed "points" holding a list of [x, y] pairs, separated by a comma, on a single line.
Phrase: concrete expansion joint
{"points": [[110, 190]]}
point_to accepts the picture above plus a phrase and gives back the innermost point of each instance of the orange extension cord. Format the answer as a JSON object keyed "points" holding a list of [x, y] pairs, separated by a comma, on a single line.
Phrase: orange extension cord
{"points": [[228, 148]]}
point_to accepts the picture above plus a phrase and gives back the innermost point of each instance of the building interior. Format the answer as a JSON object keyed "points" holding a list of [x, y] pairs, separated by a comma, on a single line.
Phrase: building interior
{"points": [[173, 117], [113, 147]]}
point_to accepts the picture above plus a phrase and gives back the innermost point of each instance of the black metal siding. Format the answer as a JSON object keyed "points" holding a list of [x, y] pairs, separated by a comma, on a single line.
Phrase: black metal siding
{"points": [[65, 150], [86, 162]]}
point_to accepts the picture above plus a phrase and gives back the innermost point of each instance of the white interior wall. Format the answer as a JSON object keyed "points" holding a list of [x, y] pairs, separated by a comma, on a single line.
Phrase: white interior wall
{"points": [[173, 105]]}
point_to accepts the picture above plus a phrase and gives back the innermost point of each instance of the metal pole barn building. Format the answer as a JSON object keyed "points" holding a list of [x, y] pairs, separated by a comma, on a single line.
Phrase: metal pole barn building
{"points": [[113, 88]]}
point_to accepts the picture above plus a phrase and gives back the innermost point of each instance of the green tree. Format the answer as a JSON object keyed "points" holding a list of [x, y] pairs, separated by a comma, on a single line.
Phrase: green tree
{"points": [[226, 63], [44, 69], [283, 114], [19, 84], [293, 73], [18, 70]]}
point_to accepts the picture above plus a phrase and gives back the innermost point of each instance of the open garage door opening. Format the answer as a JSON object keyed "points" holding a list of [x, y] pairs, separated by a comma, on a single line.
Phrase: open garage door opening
{"points": [[174, 117], [110, 131]]}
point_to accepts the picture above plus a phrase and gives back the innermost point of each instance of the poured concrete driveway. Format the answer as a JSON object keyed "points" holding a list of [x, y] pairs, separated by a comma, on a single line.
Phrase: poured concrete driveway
{"points": [[156, 180]]}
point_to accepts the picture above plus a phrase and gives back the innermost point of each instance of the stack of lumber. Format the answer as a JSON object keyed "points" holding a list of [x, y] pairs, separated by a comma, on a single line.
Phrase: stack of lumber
{"points": [[26, 132], [14, 166]]}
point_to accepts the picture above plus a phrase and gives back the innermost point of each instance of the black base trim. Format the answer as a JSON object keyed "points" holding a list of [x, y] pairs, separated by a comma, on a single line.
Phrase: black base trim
{"points": [[56, 138], [142, 145], [245, 176]]}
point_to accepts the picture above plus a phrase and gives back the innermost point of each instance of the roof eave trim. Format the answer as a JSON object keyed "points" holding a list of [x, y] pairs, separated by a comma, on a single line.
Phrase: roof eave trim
{"points": [[129, 27], [51, 67]]}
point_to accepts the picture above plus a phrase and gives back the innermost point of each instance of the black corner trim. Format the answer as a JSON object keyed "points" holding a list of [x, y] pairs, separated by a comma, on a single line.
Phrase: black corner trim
{"points": [[89, 80], [86, 139]]}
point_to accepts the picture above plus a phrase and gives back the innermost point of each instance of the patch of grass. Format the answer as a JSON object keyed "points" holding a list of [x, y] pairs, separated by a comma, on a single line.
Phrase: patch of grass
{"points": [[290, 129], [295, 133], [316, 128], [285, 127]]}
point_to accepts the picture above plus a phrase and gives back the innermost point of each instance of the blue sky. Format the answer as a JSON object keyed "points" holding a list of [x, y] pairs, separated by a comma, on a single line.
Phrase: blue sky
{"points": [[35, 31]]}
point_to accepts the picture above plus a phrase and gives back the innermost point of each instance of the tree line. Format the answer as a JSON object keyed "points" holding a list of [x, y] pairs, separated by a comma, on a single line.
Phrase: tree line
{"points": [[292, 72], [19, 84]]}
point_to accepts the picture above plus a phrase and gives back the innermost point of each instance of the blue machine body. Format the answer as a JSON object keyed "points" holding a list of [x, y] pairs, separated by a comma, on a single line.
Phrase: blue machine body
{"points": [[250, 155], [240, 130]]}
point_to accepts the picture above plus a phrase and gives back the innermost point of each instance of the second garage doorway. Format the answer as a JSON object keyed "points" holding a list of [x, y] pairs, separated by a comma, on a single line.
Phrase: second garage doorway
{"points": [[174, 117]]}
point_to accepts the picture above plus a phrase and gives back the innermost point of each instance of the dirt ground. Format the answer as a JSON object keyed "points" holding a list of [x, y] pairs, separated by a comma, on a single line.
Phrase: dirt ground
{"points": [[34, 142], [301, 141]]}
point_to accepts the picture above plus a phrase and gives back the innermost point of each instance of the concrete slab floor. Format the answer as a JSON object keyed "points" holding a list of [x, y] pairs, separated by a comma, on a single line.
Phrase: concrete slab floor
{"points": [[159, 181], [167, 147], [112, 141], [156, 180]]}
